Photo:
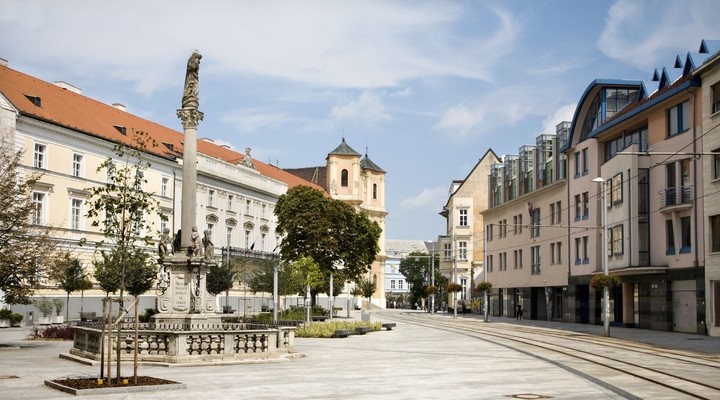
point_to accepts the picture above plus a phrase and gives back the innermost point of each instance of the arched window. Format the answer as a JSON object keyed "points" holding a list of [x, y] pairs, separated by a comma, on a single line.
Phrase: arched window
{"points": [[374, 191], [344, 178]]}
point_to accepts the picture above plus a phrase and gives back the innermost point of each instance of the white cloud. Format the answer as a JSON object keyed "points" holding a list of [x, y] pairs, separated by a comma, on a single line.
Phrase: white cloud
{"points": [[254, 119], [564, 113], [432, 198], [459, 120], [646, 34], [368, 108], [363, 45]]}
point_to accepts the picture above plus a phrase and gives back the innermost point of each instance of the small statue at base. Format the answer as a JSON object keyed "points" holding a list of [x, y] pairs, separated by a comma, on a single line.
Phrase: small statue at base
{"points": [[163, 249], [196, 242], [208, 247]]}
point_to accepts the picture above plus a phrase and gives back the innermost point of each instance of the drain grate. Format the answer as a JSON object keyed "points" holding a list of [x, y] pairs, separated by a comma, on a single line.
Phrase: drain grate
{"points": [[528, 396]]}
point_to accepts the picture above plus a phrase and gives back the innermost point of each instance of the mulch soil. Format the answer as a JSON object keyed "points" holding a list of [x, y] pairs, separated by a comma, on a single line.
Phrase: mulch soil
{"points": [[91, 383]]}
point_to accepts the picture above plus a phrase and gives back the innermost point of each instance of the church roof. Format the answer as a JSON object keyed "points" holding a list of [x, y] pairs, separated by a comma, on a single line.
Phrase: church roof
{"points": [[344, 149], [367, 163]]}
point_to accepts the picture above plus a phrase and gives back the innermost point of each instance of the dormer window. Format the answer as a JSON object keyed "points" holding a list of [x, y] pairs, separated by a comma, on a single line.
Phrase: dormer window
{"points": [[34, 99], [121, 129]]}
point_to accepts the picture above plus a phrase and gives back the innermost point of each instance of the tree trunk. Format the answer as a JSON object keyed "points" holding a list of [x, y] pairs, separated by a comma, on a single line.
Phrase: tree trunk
{"points": [[137, 336]]}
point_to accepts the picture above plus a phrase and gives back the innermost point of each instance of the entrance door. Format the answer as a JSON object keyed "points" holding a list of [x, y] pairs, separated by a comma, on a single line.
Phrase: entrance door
{"points": [[583, 298], [684, 306]]}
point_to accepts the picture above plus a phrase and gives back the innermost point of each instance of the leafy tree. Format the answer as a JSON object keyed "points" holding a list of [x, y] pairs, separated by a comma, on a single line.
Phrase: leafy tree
{"points": [[367, 287], [220, 278], [329, 231], [24, 246], [120, 209], [416, 269], [290, 280], [70, 276]]}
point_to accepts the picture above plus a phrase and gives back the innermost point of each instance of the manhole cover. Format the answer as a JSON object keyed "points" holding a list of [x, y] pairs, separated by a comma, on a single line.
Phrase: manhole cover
{"points": [[528, 396]]}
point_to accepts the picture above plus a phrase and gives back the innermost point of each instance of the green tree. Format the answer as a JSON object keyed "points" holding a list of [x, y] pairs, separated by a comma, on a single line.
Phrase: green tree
{"points": [[220, 278], [25, 247], [70, 276], [329, 231], [367, 288], [120, 209]]}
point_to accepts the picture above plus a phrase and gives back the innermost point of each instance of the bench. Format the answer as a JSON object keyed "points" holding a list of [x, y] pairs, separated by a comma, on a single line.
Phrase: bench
{"points": [[342, 333], [389, 325], [320, 318], [361, 330]]}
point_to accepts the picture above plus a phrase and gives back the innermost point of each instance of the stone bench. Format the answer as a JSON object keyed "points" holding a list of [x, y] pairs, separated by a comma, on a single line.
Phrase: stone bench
{"points": [[342, 333], [361, 330], [389, 325]]}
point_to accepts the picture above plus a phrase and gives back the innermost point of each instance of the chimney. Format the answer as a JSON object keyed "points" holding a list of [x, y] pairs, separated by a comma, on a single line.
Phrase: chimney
{"points": [[68, 86], [119, 106]]}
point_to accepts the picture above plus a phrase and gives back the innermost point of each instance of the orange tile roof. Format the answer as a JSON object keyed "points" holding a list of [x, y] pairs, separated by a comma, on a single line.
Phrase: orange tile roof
{"points": [[68, 109]]}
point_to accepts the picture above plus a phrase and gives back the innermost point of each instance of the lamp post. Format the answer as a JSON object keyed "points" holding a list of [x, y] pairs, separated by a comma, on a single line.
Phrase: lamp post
{"points": [[432, 278], [606, 290], [455, 300]]}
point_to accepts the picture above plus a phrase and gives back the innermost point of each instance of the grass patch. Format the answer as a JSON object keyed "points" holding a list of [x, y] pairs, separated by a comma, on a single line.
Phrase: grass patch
{"points": [[327, 329]]}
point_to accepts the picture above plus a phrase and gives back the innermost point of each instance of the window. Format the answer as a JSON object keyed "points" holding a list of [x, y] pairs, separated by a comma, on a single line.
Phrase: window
{"points": [[164, 186], [490, 263], [75, 214], [39, 158], [552, 213], [584, 161], [489, 232], [578, 207], [77, 165], [392, 284], [715, 233], [535, 260], [262, 241], [535, 230], [556, 253], [617, 240], [515, 259], [344, 178], [520, 259], [617, 190], [670, 237], [686, 244], [230, 201], [247, 238], [375, 191], [503, 228], [263, 210], [139, 180], [400, 284], [515, 224], [462, 250], [38, 201], [586, 209], [448, 251], [211, 198], [578, 253], [586, 259], [228, 235], [558, 212], [716, 164], [679, 118], [247, 206], [463, 217], [577, 164], [503, 261], [519, 223]]}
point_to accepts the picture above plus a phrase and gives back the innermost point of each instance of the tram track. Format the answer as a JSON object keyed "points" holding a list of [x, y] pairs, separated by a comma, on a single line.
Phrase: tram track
{"points": [[657, 366]]}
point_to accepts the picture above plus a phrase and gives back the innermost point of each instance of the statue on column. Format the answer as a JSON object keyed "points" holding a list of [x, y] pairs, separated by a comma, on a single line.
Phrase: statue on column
{"points": [[192, 82], [208, 246]]}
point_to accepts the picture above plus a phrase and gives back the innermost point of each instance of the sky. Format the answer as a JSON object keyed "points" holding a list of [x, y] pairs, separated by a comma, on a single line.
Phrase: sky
{"points": [[424, 88]]}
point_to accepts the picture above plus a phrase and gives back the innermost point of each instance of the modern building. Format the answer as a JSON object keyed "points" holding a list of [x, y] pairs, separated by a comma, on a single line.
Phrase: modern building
{"points": [[66, 136], [356, 180], [526, 229], [461, 248]]}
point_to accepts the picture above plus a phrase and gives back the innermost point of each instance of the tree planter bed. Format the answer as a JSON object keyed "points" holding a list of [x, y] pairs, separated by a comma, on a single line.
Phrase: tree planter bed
{"points": [[89, 386]]}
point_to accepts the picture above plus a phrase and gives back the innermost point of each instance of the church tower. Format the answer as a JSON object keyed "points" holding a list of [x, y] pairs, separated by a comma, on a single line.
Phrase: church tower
{"points": [[358, 181]]}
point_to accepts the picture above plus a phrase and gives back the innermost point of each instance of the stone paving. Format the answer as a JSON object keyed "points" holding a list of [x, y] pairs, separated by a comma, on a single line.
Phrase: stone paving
{"points": [[409, 362]]}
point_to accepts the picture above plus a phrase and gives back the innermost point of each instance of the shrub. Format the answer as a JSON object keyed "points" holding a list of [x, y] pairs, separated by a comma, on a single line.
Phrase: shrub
{"points": [[5, 313], [59, 305], [327, 329], [16, 318], [45, 306], [52, 332], [600, 281]]}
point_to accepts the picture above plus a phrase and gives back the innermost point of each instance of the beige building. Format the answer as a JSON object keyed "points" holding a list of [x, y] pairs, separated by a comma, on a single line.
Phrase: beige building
{"points": [[709, 73], [526, 230], [358, 181], [461, 249]]}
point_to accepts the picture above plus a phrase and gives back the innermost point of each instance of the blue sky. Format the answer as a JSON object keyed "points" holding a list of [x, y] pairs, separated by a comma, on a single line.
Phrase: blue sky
{"points": [[425, 86]]}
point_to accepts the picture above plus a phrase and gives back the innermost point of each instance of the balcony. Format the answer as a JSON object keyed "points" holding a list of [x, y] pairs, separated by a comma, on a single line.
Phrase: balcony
{"points": [[676, 198]]}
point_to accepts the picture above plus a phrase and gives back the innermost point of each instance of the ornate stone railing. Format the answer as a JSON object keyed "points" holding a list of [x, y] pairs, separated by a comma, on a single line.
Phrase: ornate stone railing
{"points": [[231, 343]]}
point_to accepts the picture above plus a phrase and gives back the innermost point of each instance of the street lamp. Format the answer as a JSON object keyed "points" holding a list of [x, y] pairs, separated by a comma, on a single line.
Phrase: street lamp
{"points": [[606, 290]]}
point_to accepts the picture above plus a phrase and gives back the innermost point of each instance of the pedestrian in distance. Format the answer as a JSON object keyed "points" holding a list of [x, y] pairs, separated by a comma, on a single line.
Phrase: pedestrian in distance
{"points": [[519, 312]]}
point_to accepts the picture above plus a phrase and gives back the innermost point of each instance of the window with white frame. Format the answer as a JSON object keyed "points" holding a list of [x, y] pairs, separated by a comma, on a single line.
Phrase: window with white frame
{"points": [[228, 235], [558, 212], [40, 156], [616, 238], [247, 238], [489, 232], [262, 241], [535, 230], [77, 165], [76, 213], [164, 183], [211, 198], [230, 200], [463, 283], [447, 251], [262, 211], [39, 207], [400, 284], [462, 250], [247, 206], [463, 217], [489, 262], [515, 224], [392, 284]]}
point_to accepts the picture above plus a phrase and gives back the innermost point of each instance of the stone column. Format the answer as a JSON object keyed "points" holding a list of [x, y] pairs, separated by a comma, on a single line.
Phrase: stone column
{"points": [[190, 118]]}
